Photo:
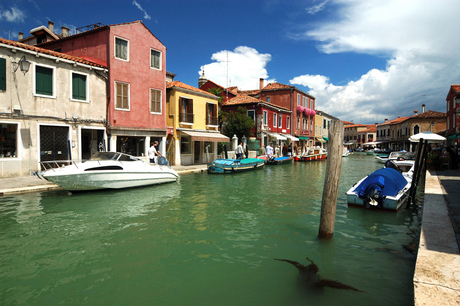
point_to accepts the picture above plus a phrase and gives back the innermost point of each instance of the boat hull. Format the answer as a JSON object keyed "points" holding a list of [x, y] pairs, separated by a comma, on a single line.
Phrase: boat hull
{"points": [[280, 160], [314, 157], [228, 166]]}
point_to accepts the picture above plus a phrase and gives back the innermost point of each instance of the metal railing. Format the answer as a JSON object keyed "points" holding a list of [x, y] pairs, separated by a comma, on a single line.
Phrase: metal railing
{"points": [[211, 120], [186, 117]]}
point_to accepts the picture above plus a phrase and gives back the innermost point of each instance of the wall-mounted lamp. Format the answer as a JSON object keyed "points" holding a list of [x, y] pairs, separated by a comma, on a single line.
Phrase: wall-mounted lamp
{"points": [[74, 117], [24, 64]]}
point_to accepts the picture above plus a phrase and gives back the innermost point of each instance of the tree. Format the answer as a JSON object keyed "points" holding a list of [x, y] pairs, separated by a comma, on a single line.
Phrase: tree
{"points": [[217, 92], [237, 123]]}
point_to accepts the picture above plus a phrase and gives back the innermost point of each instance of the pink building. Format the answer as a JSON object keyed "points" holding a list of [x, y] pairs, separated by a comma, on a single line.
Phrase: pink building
{"points": [[136, 84]]}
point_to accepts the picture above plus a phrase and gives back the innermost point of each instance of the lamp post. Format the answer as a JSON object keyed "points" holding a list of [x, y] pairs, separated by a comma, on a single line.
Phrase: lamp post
{"points": [[23, 64]]}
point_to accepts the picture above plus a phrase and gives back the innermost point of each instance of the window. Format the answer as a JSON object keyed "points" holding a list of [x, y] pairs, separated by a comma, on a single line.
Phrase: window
{"points": [[298, 122], [2, 74], [210, 146], [211, 114], [79, 87], [155, 59], [280, 120], [122, 95], [121, 49], [185, 145], [265, 117], [186, 110], [298, 99], [268, 99], [44, 81], [324, 123], [251, 114], [155, 101], [8, 140], [305, 102], [288, 123], [274, 120]]}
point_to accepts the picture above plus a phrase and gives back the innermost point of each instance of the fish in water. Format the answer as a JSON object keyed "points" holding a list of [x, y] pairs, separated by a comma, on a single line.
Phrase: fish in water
{"points": [[310, 273]]}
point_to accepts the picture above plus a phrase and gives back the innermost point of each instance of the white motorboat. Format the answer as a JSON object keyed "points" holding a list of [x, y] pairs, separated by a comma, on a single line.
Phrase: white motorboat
{"points": [[385, 188], [404, 160], [108, 170]]}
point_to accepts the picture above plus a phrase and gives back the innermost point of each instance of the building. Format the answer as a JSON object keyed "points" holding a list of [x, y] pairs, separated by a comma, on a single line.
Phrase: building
{"points": [[272, 123], [353, 134], [322, 126], [136, 84], [192, 119], [53, 107], [453, 115]]}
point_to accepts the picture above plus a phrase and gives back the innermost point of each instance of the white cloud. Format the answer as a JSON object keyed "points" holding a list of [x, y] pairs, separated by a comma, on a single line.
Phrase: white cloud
{"points": [[146, 16], [419, 39], [312, 10], [244, 67], [12, 15]]}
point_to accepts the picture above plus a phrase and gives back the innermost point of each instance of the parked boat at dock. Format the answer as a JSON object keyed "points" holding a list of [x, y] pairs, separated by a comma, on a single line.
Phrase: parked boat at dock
{"points": [[385, 189], [280, 160], [312, 154], [223, 166], [107, 170]]}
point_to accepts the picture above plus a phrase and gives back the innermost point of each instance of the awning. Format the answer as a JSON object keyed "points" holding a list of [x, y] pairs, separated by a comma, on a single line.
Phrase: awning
{"points": [[350, 142], [320, 140], [277, 136], [455, 136], [292, 138], [207, 136], [304, 138], [326, 138]]}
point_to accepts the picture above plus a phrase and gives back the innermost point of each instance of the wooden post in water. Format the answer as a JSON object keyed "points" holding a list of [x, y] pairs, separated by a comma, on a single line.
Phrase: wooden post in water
{"points": [[331, 182]]}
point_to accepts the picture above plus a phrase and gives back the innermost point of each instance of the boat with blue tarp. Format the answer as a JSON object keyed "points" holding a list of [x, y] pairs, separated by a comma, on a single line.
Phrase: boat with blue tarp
{"points": [[223, 166], [280, 160], [386, 189]]}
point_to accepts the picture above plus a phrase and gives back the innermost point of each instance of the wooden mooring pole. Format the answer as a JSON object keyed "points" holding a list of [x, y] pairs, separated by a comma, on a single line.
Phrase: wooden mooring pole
{"points": [[332, 180]]}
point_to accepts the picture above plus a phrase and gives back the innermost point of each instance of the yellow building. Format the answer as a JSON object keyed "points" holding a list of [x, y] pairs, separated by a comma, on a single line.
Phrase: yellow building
{"points": [[192, 124]]}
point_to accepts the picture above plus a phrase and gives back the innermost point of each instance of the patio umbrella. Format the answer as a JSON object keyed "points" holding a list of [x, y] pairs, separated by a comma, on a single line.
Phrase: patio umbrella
{"points": [[429, 136]]}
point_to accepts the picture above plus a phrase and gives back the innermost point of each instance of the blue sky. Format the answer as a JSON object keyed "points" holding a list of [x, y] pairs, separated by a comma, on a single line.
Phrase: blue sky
{"points": [[363, 60]]}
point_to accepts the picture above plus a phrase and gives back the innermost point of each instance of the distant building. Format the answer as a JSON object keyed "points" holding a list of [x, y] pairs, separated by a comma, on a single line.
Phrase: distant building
{"points": [[453, 115]]}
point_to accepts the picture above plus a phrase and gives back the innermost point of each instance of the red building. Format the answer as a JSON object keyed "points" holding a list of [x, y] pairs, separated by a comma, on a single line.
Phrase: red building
{"points": [[136, 85], [272, 124], [453, 115]]}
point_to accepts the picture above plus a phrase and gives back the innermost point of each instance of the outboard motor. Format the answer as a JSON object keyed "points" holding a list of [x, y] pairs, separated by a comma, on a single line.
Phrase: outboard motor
{"points": [[162, 161], [391, 164], [371, 193]]}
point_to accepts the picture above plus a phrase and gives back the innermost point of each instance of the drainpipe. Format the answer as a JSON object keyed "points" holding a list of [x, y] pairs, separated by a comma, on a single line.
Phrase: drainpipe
{"points": [[107, 122], [173, 116]]}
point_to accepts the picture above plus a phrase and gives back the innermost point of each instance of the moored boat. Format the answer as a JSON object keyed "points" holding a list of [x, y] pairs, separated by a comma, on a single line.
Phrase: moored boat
{"points": [[223, 166], [312, 154], [385, 189], [280, 160], [381, 158], [108, 170]]}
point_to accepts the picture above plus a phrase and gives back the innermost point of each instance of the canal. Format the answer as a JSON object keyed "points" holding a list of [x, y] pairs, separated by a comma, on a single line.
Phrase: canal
{"points": [[206, 240]]}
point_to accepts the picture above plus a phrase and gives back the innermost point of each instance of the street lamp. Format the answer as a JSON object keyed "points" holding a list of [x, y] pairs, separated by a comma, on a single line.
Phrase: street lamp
{"points": [[24, 64]]}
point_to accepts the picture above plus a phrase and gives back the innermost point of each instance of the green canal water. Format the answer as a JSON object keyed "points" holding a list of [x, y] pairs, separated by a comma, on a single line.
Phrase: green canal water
{"points": [[205, 240]]}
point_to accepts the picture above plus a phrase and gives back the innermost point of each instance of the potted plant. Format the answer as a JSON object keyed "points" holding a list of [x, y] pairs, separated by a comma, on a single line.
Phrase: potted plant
{"points": [[434, 161]]}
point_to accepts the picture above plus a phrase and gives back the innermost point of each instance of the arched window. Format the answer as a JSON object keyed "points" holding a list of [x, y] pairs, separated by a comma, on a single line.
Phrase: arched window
{"points": [[416, 129]]}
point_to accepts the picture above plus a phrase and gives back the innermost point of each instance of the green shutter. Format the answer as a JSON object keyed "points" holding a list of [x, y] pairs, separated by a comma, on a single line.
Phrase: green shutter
{"points": [[78, 86], [2, 74], [43, 81]]}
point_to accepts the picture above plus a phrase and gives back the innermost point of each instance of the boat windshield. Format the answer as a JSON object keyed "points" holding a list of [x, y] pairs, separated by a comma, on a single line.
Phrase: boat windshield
{"points": [[404, 155], [113, 156]]}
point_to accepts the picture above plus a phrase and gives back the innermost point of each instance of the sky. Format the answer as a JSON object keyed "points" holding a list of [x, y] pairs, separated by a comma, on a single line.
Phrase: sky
{"points": [[364, 61]]}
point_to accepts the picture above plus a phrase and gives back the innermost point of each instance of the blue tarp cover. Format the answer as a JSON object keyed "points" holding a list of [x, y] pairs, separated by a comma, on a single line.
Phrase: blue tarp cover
{"points": [[392, 180]]}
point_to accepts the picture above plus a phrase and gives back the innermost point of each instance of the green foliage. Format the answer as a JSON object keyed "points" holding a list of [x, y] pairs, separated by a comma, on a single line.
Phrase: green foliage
{"points": [[237, 123], [217, 92], [434, 159]]}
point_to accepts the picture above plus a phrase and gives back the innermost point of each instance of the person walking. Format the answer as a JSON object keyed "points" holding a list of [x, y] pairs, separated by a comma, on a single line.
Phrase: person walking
{"points": [[239, 151], [262, 150]]}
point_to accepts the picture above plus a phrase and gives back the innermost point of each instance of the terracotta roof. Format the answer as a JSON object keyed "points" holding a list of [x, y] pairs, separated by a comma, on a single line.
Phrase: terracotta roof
{"points": [[397, 120], [276, 85], [370, 129], [179, 84], [456, 88], [355, 125], [347, 122], [245, 99], [430, 114], [249, 92], [49, 52]]}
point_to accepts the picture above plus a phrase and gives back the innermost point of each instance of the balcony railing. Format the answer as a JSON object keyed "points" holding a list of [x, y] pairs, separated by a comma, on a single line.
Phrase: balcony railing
{"points": [[211, 120], [187, 117]]}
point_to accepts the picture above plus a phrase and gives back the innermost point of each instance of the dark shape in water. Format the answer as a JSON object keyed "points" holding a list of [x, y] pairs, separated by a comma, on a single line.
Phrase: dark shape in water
{"points": [[312, 278]]}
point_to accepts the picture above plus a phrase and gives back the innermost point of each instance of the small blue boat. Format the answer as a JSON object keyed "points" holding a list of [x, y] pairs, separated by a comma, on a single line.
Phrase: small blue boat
{"points": [[279, 160], [223, 166]]}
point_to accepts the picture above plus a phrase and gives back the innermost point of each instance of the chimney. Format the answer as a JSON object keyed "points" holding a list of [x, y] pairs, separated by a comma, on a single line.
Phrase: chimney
{"points": [[423, 108], [261, 83], [64, 31], [20, 35], [386, 120], [416, 112], [51, 26]]}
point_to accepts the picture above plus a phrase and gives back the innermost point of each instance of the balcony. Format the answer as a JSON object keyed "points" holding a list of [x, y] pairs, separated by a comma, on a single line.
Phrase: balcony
{"points": [[187, 118], [212, 121]]}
